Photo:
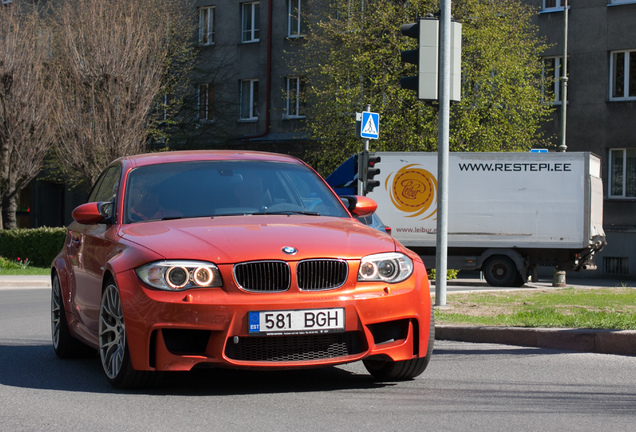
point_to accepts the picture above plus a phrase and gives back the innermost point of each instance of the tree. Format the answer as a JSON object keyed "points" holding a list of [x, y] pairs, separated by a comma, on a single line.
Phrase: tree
{"points": [[353, 52], [117, 60], [25, 102]]}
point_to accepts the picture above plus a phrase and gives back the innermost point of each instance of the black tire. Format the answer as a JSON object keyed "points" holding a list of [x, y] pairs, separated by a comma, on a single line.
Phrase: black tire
{"points": [[113, 347], [64, 344], [388, 370], [500, 271]]}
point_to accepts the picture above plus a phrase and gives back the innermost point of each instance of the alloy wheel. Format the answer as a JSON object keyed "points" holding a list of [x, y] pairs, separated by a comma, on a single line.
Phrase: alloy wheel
{"points": [[112, 332]]}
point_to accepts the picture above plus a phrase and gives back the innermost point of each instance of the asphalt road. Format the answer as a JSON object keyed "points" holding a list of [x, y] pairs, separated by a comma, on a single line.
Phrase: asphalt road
{"points": [[476, 387]]}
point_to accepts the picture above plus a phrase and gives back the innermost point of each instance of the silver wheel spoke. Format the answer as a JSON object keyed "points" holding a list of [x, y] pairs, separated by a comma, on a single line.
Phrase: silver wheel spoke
{"points": [[56, 312], [112, 332]]}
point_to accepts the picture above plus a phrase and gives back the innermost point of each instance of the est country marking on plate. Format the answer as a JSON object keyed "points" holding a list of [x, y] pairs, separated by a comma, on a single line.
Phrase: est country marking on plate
{"points": [[303, 321]]}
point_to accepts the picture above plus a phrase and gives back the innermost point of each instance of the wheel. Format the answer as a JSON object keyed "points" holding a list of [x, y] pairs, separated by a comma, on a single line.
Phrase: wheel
{"points": [[64, 344], [388, 370], [113, 350], [500, 271]]}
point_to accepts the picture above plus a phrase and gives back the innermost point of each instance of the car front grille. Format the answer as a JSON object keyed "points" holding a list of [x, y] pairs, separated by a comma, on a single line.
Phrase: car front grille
{"points": [[296, 348], [321, 274], [275, 276], [263, 276]]}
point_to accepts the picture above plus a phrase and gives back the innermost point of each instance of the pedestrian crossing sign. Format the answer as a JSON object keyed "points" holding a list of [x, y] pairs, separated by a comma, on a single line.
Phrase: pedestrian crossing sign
{"points": [[370, 127]]}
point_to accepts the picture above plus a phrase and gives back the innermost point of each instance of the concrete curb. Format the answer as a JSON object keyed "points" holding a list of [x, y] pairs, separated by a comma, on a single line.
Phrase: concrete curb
{"points": [[23, 282], [622, 342]]}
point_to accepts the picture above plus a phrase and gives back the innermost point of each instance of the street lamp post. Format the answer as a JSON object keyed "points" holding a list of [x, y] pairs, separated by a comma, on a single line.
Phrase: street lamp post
{"points": [[558, 278]]}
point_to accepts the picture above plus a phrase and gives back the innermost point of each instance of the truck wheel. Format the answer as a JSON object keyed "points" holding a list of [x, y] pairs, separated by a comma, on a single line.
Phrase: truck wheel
{"points": [[500, 271]]}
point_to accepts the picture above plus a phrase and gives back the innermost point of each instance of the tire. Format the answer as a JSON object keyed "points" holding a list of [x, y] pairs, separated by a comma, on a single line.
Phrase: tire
{"points": [[64, 344], [113, 347], [500, 271], [389, 370]]}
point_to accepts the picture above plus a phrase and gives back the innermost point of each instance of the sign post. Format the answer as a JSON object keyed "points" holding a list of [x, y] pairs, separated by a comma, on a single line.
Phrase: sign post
{"points": [[367, 127]]}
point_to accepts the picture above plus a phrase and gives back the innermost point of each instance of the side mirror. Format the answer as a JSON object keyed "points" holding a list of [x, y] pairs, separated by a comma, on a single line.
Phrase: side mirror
{"points": [[359, 206], [93, 213]]}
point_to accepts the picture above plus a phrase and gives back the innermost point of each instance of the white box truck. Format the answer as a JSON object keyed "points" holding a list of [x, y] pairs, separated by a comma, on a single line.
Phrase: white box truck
{"points": [[507, 212]]}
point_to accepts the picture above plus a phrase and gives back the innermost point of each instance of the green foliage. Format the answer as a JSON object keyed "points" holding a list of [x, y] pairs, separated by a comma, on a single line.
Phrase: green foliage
{"points": [[18, 264], [352, 58], [450, 274], [39, 245]]}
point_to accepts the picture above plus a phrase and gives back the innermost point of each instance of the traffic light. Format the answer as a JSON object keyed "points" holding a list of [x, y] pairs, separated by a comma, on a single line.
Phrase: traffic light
{"points": [[425, 57], [372, 171]]}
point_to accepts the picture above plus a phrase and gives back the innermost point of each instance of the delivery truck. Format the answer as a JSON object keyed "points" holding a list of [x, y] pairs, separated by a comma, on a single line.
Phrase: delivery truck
{"points": [[508, 213]]}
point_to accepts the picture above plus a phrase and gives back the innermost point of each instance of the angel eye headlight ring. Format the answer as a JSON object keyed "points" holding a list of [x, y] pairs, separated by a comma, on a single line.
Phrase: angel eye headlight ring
{"points": [[175, 275], [391, 267]]}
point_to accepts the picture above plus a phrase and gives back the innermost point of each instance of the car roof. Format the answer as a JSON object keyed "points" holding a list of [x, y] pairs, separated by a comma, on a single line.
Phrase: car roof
{"points": [[203, 155]]}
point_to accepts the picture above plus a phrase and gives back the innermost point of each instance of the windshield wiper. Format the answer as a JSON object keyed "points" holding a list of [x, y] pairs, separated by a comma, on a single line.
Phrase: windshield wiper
{"points": [[288, 212]]}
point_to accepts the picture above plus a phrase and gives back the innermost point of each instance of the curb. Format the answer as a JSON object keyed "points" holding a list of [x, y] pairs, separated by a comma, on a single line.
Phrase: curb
{"points": [[621, 342], [24, 282]]}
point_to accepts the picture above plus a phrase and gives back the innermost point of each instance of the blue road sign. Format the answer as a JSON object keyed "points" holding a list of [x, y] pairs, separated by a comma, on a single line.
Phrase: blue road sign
{"points": [[370, 128]]}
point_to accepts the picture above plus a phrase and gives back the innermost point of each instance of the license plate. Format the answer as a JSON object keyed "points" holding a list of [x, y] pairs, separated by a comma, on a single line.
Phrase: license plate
{"points": [[297, 321]]}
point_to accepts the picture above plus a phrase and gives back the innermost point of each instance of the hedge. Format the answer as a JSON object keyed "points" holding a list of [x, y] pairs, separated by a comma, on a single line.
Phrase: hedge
{"points": [[38, 245]]}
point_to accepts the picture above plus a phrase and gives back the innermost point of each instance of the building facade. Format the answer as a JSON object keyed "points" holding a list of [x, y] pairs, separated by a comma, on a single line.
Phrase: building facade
{"points": [[601, 107]]}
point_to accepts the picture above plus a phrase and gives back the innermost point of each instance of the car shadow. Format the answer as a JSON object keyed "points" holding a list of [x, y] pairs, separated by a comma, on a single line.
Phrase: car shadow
{"points": [[29, 365]]}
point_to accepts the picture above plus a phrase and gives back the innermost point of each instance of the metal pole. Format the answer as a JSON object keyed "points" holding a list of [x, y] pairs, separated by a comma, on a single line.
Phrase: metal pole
{"points": [[558, 278], [564, 78], [442, 152], [364, 163]]}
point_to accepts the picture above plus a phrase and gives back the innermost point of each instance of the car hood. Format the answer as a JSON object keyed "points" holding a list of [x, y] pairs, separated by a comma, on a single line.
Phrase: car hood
{"points": [[230, 239]]}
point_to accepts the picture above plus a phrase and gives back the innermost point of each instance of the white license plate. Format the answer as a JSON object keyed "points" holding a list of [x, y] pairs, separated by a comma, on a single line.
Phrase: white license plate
{"points": [[297, 321]]}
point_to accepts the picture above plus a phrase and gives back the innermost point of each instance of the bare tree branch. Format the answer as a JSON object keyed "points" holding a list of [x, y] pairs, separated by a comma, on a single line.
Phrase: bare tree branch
{"points": [[25, 101], [113, 57]]}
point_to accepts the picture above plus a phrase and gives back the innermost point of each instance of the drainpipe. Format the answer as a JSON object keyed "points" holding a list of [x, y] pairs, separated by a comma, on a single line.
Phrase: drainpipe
{"points": [[269, 73]]}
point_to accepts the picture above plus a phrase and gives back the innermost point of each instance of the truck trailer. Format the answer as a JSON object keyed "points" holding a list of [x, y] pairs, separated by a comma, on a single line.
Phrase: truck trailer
{"points": [[508, 213]]}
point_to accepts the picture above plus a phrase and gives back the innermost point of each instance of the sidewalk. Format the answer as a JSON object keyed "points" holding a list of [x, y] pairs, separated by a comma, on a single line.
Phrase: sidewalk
{"points": [[622, 342]]}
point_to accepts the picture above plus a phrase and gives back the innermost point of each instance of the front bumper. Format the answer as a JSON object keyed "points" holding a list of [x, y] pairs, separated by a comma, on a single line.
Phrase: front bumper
{"points": [[176, 331]]}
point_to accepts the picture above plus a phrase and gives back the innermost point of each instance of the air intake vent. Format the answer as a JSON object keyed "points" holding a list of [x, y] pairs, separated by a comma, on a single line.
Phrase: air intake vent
{"points": [[296, 348]]}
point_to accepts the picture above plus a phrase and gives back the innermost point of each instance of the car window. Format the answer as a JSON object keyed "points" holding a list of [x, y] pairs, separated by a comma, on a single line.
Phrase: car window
{"points": [[107, 186], [221, 188]]}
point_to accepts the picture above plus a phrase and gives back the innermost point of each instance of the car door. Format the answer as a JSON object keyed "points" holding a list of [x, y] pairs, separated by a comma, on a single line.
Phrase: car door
{"points": [[93, 246]]}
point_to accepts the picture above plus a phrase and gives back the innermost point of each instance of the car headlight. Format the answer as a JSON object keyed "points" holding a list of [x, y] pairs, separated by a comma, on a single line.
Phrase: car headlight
{"points": [[180, 275], [386, 267]]}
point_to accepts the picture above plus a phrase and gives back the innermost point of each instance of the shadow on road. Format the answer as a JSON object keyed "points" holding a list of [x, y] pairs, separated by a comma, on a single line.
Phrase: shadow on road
{"points": [[29, 365]]}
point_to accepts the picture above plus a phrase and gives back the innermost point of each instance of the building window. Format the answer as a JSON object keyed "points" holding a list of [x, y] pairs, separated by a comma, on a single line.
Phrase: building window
{"points": [[251, 22], [616, 265], [551, 79], [622, 173], [294, 97], [249, 100], [206, 100], [295, 25], [206, 25], [623, 75], [553, 5]]}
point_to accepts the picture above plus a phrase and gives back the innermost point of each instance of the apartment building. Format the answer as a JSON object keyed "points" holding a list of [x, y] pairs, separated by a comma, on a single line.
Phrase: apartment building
{"points": [[601, 106], [247, 92]]}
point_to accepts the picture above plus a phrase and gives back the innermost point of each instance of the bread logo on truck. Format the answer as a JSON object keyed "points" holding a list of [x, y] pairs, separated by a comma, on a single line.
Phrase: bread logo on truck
{"points": [[413, 191]]}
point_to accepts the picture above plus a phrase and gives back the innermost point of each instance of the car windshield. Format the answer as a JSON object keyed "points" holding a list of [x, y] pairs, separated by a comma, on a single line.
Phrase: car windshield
{"points": [[224, 188]]}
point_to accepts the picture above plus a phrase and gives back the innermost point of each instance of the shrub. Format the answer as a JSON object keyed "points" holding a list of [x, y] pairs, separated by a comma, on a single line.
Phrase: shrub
{"points": [[37, 245]]}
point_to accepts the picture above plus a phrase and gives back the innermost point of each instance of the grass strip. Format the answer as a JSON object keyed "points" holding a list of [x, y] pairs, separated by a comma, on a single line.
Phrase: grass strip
{"points": [[593, 308]]}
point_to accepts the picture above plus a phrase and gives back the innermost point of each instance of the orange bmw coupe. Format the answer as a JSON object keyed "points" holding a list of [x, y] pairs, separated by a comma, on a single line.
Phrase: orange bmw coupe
{"points": [[234, 259]]}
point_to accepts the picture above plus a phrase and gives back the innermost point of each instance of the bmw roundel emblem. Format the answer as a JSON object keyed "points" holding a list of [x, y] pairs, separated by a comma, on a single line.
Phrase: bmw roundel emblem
{"points": [[290, 250]]}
